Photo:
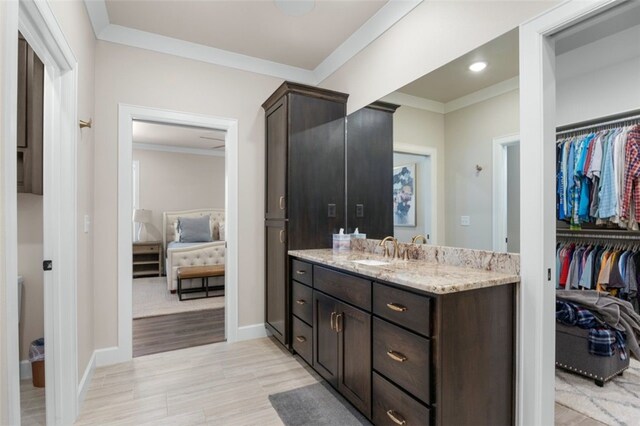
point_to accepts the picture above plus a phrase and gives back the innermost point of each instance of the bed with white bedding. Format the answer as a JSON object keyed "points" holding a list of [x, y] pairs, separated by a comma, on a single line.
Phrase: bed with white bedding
{"points": [[180, 253]]}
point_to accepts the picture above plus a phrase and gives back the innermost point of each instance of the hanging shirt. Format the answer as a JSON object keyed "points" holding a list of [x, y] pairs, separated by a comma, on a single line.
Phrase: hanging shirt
{"points": [[632, 178], [607, 194]]}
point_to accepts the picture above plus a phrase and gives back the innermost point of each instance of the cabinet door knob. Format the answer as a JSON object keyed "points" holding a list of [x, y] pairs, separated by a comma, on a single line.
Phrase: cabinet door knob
{"points": [[301, 301], [397, 356], [282, 235], [396, 307], [281, 202], [338, 323], [301, 339], [396, 418], [333, 317], [301, 272]]}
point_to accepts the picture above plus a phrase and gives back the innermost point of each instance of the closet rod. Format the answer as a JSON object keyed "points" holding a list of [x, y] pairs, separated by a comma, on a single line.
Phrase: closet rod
{"points": [[598, 236], [585, 125]]}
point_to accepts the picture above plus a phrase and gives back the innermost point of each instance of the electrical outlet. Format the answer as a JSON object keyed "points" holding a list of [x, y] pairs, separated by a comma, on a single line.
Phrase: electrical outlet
{"points": [[359, 210], [465, 220], [331, 211]]}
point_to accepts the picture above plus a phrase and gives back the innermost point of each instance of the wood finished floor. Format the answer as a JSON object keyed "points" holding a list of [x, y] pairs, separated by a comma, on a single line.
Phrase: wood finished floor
{"points": [[219, 384], [177, 331]]}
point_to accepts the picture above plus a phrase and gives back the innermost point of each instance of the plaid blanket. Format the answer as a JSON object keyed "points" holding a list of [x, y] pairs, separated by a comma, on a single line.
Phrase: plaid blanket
{"points": [[603, 340]]}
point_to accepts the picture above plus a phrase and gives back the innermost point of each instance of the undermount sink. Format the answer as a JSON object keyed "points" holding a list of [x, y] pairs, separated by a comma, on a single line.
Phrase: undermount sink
{"points": [[371, 262]]}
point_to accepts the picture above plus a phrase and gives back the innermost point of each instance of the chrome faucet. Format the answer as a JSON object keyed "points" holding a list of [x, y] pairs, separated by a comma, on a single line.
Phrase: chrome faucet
{"points": [[415, 239], [383, 243]]}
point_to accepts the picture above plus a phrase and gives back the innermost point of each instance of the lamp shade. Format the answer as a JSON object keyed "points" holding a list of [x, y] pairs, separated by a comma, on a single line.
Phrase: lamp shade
{"points": [[142, 216]]}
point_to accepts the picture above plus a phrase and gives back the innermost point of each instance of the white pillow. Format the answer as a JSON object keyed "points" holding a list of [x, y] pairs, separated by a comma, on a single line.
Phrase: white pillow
{"points": [[221, 231]]}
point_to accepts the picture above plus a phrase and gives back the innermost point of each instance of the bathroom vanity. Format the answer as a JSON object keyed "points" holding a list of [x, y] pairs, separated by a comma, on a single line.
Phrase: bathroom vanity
{"points": [[417, 342]]}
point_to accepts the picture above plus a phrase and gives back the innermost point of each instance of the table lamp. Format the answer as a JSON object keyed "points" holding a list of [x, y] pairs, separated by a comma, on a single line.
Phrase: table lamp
{"points": [[142, 217]]}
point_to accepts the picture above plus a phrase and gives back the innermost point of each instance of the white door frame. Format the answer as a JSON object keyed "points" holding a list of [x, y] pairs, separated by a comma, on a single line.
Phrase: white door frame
{"points": [[432, 153], [37, 23], [499, 185], [126, 115], [536, 367]]}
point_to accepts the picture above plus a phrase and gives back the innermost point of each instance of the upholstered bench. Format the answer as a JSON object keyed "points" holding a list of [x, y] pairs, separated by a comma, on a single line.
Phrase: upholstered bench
{"points": [[202, 272], [572, 353]]}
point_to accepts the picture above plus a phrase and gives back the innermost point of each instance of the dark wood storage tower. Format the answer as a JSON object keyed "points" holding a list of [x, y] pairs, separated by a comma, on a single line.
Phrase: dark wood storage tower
{"points": [[305, 185], [370, 170]]}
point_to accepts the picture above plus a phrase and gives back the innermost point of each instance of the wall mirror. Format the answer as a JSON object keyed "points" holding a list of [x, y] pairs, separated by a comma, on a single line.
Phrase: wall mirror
{"points": [[455, 168]]}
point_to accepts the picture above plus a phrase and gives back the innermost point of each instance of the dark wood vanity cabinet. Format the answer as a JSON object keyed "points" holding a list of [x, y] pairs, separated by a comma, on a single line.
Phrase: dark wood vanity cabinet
{"points": [[370, 170], [304, 132], [405, 357], [30, 116]]}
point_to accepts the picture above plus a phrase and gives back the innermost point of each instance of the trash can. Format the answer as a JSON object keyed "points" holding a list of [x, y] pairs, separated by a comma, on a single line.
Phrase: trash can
{"points": [[36, 357]]}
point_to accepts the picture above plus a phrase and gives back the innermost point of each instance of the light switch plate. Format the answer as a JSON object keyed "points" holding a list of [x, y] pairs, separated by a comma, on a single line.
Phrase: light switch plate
{"points": [[465, 220], [87, 223]]}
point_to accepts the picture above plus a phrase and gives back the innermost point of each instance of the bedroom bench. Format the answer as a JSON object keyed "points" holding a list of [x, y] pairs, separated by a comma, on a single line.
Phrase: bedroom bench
{"points": [[202, 272]]}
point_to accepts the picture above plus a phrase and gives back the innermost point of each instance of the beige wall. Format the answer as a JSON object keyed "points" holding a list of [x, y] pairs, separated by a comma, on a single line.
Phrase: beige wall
{"points": [[469, 134], [74, 21], [433, 34], [417, 128], [172, 181], [140, 77], [30, 257]]}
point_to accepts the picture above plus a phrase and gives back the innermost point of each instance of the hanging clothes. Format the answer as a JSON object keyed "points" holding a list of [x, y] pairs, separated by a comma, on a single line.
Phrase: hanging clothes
{"points": [[598, 178]]}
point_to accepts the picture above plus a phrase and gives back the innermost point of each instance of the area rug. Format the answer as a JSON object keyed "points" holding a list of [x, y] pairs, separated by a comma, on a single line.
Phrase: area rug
{"points": [[617, 403], [151, 298], [315, 405]]}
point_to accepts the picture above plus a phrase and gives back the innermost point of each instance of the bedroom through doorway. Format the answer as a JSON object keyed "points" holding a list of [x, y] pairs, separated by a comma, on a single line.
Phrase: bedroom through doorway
{"points": [[179, 242]]}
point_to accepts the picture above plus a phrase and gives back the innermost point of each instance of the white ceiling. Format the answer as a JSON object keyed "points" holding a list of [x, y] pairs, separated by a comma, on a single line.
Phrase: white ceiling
{"points": [[173, 136], [251, 35], [454, 80]]}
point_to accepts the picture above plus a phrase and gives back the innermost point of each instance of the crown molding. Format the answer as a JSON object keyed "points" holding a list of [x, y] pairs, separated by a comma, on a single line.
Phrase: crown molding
{"points": [[483, 94], [177, 149], [487, 93], [373, 28], [414, 102]]}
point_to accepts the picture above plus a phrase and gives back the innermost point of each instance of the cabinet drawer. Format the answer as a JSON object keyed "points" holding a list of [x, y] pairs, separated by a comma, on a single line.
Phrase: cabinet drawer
{"points": [[138, 248], [392, 406], [302, 338], [402, 307], [403, 357], [348, 288], [302, 272], [302, 302]]}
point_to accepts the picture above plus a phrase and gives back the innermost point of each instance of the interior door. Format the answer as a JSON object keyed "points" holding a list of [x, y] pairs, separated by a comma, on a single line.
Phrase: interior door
{"points": [[276, 288], [354, 331], [325, 337]]}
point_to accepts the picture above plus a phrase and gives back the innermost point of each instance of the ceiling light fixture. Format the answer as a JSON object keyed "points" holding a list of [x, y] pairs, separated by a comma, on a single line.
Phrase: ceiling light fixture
{"points": [[477, 66], [295, 7]]}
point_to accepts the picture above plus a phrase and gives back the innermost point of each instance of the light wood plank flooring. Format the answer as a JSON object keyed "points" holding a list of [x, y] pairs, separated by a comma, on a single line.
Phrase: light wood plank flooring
{"points": [[32, 404], [177, 331], [219, 384]]}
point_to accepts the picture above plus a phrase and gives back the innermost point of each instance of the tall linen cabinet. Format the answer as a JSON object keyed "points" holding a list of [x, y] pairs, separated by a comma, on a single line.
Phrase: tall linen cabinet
{"points": [[305, 185]]}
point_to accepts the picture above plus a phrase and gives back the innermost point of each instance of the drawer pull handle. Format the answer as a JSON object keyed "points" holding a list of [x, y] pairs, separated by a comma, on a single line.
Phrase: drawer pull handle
{"points": [[396, 307], [301, 272], [301, 301], [301, 339], [333, 317], [397, 356], [282, 236], [396, 418], [338, 323], [281, 202]]}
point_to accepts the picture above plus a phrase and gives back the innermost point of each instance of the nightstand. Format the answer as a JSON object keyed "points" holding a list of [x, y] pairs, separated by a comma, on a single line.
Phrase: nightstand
{"points": [[147, 258]]}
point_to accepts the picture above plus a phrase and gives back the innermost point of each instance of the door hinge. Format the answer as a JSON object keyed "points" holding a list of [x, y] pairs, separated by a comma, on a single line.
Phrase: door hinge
{"points": [[549, 274], [47, 265], [506, 240]]}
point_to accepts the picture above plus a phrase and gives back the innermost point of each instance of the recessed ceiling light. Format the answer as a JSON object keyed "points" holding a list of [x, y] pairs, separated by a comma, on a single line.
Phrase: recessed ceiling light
{"points": [[295, 7], [478, 66]]}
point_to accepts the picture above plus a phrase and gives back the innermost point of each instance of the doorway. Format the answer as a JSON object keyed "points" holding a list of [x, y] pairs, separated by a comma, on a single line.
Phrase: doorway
{"points": [[129, 114], [178, 187], [506, 194], [35, 21]]}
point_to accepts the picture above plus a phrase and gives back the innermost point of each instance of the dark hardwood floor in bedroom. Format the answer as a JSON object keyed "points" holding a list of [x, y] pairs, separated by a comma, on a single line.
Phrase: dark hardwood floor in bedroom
{"points": [[177, 331]]}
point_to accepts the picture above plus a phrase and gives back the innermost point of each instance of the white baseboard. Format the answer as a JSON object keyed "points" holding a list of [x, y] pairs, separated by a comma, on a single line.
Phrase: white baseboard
{"points": [[109, 356], [85, 383], [249, 332], [25, 370]]}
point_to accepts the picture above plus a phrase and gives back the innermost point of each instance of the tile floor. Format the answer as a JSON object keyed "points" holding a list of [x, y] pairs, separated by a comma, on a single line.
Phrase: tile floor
{"points": [[219, 384]]}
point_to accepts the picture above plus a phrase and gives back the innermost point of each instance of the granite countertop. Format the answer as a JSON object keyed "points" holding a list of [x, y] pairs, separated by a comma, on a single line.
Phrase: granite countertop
{"points": [[417, 274]]}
